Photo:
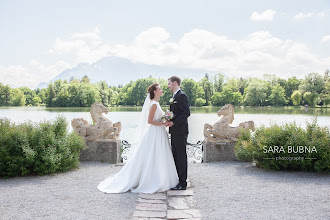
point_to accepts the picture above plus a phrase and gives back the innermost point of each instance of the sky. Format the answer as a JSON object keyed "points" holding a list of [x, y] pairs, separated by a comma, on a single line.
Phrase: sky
{"points": [[39, 39]]}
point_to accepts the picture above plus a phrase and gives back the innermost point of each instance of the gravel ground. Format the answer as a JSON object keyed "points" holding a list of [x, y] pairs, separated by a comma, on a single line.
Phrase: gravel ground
{"points": [[70, 195], [235, 190], [224, 190]]}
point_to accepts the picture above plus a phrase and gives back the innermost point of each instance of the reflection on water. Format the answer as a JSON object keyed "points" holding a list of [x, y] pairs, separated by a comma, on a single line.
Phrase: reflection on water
{"points": [[205, 109], [129, 117], [267, 110]]}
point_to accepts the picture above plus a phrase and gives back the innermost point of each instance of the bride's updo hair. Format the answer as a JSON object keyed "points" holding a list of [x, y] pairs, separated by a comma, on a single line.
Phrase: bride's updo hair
{"points": [[152, 89]]}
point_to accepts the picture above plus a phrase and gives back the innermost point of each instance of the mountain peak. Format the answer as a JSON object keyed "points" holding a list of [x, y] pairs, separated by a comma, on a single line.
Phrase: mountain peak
{"points": [[120, 71]]}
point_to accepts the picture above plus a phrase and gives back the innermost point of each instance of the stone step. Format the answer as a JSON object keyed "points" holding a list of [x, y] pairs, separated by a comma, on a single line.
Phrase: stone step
{"points": [[173, 204], [187, 192]]}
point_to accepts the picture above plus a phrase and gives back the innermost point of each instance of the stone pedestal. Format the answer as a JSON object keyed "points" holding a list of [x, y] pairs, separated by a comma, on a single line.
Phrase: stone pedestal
{"points": [[213, 152], [103, 151]]}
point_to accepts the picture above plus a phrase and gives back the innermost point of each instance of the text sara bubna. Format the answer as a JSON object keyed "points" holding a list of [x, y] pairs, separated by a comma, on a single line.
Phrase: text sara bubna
{"points": [[289, 149]]}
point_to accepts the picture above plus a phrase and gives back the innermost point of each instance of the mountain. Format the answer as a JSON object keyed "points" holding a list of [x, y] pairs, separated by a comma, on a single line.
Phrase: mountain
{"points": [[42, 85], [119, 71]]}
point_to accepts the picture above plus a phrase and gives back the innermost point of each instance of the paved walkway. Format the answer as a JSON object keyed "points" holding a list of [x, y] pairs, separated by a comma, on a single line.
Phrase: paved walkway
{"points": [[224, 190], [173, 204]]}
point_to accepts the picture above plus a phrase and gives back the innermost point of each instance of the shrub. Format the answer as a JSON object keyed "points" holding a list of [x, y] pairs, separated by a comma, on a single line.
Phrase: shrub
{"points": [[200, 102], [260, 147], [41, 148]]}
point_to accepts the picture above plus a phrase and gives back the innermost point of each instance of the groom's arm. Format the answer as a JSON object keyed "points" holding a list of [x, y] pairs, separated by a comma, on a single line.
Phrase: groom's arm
{"points": [[183, 104]]}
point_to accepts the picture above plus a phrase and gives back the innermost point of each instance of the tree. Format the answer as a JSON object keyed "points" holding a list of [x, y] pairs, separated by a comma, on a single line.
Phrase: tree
{"points": [[237, 98], [36, 101], [85, 79], [313, 83], [326, 91], [104, 92], [218, 82], [167, 94], [43, 95], [227, 94], [277, 96], [207, 87], [255, 93], [113, 97], [296, 97], [242, 85], [192, 89], [216, 99], [310, 97], [29, 94], [62, 99], [138, 91], [292, 85], [51, 95], [89, 94], [17, 97], [5, 92], [200, 102]]}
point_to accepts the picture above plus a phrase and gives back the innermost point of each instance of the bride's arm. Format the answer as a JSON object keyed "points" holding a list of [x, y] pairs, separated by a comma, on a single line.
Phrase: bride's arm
{"points": [[151, 116]]}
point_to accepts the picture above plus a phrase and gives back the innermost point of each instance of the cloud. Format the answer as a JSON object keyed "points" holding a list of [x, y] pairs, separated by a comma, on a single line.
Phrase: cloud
{"points": [[16, 76], [256, 54], [85, 47], [267, 15], [321, 14], [325, 39], [31, 75], [301, 15]]}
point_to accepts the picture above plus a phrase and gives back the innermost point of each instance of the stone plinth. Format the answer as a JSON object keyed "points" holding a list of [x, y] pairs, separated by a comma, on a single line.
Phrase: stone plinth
{"points": [[102, 150], [213, 152]]}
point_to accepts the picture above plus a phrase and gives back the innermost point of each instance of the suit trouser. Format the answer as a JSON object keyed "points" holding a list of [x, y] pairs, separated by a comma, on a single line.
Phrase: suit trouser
{"points": [[179, 146]]}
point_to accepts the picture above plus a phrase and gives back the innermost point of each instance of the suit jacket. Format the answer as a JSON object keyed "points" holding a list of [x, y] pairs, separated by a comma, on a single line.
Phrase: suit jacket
{"points": [[181, 111]]}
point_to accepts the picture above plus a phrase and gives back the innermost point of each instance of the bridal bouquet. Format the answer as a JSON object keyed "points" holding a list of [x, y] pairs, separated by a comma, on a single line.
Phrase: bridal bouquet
{"points": [[168, 116]]}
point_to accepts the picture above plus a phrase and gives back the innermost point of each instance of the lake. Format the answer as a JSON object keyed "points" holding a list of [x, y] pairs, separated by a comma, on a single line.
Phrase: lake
{"points": [[129, 116]]}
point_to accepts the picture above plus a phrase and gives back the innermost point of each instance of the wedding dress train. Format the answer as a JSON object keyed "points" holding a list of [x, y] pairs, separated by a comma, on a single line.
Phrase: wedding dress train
{"points": [[151, 167]]}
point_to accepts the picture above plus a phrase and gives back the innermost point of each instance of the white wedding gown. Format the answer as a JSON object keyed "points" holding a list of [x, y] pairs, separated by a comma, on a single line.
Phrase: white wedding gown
{"points": [[151, 167]]}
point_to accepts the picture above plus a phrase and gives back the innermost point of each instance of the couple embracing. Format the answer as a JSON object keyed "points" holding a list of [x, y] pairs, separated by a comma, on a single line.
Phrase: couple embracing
{"points": [[152, 165]]}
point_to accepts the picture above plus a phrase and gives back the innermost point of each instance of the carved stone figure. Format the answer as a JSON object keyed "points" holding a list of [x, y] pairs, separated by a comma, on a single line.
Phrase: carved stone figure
{"points": [[221, 131], [102, 129]]}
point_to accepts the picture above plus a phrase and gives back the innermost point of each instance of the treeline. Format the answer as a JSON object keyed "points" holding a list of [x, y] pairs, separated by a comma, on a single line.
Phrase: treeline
{"points": [[313, 90]]}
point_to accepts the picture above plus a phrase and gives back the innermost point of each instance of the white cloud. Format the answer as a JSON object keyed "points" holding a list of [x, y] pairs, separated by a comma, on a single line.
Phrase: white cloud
{"points": [[85, 47], [267, 15], [301, 15], [325, 39], [16, 76], [253, 55], [256, 54], [31, 75], [321, 14]]}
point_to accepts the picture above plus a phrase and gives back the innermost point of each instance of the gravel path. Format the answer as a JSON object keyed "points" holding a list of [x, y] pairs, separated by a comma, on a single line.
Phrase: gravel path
{"points": [[235, 190], [70, 195], [224, 190]]}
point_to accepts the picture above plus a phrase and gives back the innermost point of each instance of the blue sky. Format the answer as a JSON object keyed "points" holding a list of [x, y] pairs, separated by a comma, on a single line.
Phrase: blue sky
{"points": [[39, 39]]}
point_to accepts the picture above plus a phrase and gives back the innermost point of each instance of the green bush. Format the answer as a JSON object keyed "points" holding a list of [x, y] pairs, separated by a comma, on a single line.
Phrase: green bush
{"points": [[260, 147], [42, 148], [200, 102]]}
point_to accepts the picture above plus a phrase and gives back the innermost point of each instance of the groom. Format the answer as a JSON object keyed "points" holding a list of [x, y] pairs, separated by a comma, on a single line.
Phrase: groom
{"points": [[179, 130]]}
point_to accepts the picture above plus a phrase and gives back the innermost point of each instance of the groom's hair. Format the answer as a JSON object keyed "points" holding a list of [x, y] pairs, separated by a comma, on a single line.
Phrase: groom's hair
{"points": [[175, 79]]}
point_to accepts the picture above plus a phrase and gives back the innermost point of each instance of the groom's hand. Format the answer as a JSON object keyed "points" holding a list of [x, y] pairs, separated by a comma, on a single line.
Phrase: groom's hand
{"points": [[170, 123]]}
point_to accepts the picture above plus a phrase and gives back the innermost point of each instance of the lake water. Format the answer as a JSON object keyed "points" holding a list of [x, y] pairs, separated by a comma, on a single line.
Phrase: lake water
{"points": [[129, 117]]}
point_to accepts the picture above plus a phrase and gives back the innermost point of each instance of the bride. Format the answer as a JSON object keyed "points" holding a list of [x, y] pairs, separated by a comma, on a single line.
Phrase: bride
{"points": [[150, 167]]}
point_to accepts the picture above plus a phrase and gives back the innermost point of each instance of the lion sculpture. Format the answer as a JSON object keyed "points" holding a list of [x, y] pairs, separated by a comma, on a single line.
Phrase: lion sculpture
{"points": [[221, 131], [102, 129]]}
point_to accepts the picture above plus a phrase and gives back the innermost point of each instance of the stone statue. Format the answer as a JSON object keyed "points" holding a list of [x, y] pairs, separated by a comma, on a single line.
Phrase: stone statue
{"points": [[102, 129], [221, 131]]}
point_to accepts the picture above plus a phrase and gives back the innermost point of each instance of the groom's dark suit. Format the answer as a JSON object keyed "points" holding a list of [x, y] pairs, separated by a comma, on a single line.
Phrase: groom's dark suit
{"points": [[179, 133]]}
